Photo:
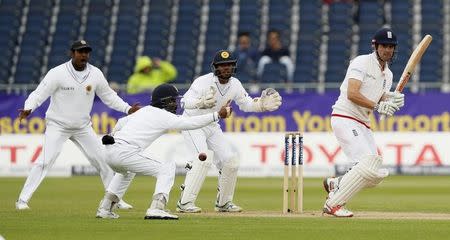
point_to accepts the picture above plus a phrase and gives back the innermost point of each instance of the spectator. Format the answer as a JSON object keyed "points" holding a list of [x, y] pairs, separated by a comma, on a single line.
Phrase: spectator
{"points": [[149, 74], [247, 56], [275, 52]]}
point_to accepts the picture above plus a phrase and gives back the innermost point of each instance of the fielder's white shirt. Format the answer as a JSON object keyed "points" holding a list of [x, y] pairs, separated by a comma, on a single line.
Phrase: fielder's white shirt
{"points": [[149, 123], [366, 69], [233, 90], [72, 94]]}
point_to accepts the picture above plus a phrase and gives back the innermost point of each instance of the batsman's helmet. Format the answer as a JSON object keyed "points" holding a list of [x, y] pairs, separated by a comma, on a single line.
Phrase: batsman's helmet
{"points": [[384, 36], [221, 57], [165, 97]]}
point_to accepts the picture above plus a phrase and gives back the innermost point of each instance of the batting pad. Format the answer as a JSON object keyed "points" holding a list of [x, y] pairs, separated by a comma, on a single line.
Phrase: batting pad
{"points": [[364, 174], [227, 182], [194, 180]]}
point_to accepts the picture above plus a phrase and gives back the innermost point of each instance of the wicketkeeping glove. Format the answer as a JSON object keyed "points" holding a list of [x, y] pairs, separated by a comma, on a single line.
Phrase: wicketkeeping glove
{"points": [[208, 99], [270, 100]]}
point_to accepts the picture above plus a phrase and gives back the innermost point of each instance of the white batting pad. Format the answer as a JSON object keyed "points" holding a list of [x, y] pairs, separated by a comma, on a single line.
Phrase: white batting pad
{"points": [[194, 180], [369, 168], [227, 182], [364, 174]]}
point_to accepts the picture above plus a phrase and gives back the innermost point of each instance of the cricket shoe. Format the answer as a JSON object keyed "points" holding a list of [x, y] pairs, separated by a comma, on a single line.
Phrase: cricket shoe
{"points": [[103, 213], [337, 211], [22, 205], [124, 205], [159, 214], [188, 207], [330, 184], [228, 207]]}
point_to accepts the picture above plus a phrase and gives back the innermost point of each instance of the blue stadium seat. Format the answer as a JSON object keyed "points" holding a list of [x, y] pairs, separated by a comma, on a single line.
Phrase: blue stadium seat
{"points": [[401, 25], [370, 20], [125, 41], [340, 16], [432, 23], [34, 40], [186, 40], [308, 42], [218, 31], [66, 32], [10, 13], [274, 72], [97, 29], [280, 17], [158, 25]]}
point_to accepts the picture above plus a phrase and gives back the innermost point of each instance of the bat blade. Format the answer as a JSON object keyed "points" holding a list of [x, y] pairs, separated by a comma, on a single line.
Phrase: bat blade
{"points": [[414, 59]]}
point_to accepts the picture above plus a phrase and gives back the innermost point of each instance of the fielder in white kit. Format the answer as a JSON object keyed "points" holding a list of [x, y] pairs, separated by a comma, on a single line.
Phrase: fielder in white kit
{"points": [[365, 89], [71, 87], [133, 134], [205, 95]]}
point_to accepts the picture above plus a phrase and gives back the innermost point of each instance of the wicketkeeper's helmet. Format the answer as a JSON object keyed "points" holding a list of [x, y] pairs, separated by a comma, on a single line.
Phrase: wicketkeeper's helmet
{"points": [[221, 57]]}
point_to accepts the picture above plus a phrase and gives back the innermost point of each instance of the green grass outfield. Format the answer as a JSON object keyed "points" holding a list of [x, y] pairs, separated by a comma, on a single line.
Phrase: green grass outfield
{"points": [[64, 208]]}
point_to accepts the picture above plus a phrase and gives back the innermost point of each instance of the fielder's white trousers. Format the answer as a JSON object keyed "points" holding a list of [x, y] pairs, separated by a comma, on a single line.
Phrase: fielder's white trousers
{"points": [[209, 137], [55, 136], [355, 139], [127, 161]]}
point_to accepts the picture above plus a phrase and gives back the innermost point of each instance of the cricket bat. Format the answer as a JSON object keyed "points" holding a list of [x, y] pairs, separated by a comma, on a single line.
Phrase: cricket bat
{"points": [[411, 65]]}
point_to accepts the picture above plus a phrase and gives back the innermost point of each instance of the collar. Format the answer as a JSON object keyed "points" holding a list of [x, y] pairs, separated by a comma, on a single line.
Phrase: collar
{"points": [[223, 88], [79, 76], [374, 56]]}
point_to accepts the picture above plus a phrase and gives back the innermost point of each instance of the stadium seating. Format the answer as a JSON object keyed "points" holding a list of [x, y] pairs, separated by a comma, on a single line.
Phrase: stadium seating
{"points": [[186, 41], [66, 30], [218, 31], [339, 42], [33, 42], [118, 37], [308, 43], [9, 28], [432, 22], [125, 41]]}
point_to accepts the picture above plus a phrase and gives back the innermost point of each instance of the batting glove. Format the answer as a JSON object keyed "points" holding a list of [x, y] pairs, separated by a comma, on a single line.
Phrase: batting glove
{"points": [[397, 97], [387, 108]]}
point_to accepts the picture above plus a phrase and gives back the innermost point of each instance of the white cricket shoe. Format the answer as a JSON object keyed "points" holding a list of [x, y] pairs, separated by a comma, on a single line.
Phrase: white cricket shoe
{"points": [[159, 215], [22, 205], [330, 184], [228, 207], [337, 211], [103, 213], [124, 205], [188, 207]]}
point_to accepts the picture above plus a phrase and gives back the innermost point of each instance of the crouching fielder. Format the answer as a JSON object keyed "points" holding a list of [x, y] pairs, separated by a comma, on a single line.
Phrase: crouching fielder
{"points": [[365, 89], [205, 95], [133, 134]]}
